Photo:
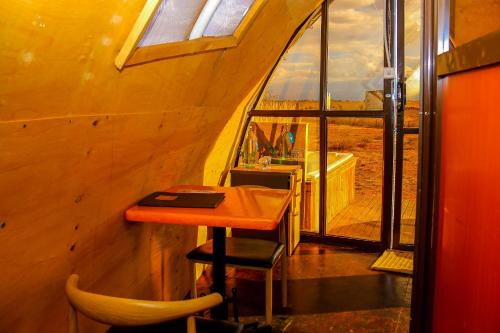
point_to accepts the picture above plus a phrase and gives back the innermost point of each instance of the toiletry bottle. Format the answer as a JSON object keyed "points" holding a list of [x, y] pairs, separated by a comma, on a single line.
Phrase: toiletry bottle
{"points": [[250, 149]]}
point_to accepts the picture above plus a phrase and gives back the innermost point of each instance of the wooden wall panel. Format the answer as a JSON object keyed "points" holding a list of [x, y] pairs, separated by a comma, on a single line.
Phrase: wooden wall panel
{"points": [[65, 191], [81, 141], [467, 264], [472, 19]]}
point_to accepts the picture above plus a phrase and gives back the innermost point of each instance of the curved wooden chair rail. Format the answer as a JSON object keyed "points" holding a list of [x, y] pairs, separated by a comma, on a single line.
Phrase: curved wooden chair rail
{"points": [[131, 312], [253, 186]]}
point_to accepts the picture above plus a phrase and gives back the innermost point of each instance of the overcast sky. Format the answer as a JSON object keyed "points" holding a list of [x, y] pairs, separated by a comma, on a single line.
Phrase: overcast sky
{"points": [[356, 56]]}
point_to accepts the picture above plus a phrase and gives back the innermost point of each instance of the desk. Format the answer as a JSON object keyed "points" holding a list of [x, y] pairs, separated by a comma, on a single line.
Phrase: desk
{"points": [[244, 208]]}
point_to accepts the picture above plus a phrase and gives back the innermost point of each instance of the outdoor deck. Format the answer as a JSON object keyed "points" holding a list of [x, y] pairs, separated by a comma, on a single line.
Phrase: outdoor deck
{"points": [[361, 219]]}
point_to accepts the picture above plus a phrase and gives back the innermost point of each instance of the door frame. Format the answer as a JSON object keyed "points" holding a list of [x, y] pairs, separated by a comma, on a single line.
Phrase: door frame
{"points": [[400, 130], [433, 35], [388, 113]]}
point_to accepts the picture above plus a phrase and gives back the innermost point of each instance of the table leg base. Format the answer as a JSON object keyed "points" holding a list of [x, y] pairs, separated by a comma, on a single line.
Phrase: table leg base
{"points": [[255, 328], [219, 271]]}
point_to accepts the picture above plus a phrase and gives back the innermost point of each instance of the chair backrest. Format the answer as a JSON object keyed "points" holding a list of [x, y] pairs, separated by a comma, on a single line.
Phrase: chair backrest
{"points": [[130, 312]]}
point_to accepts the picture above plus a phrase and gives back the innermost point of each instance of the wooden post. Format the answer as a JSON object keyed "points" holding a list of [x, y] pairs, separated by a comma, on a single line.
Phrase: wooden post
{"points": [[284, 280], [194, 294]]}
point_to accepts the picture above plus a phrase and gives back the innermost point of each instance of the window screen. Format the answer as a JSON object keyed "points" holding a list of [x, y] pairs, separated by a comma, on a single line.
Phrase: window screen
{"points": [[227, 17], [172, 22]]}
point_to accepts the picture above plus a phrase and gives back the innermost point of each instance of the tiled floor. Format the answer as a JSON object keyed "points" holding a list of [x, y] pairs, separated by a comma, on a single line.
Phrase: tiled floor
{"points": [[330, 289]]}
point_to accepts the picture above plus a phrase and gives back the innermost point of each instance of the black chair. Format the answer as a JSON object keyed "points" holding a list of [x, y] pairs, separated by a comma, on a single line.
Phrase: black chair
{"points": [[250, 254]]}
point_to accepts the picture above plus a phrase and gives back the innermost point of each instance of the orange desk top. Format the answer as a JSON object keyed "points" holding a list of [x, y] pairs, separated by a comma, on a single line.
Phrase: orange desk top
{"points": [[243, 207]]}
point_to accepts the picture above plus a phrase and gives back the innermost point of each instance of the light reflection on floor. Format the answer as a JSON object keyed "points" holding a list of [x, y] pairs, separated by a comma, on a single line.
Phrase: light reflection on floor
{"points": [[331, 289]]}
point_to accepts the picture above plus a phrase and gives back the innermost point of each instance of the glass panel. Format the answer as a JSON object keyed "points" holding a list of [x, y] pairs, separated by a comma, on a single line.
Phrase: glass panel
{"points": [[470, 20], [355, 55], [411, 114], [409, 194], [173, 22], [411, 119], [227, 17], [288, 141], [412, 61], [354, 178], [294, 84]]}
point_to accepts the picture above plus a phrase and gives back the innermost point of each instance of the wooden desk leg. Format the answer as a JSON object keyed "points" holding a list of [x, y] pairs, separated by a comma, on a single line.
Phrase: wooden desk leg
{"points": [[284, 265], [219, 271], [269, 296]]}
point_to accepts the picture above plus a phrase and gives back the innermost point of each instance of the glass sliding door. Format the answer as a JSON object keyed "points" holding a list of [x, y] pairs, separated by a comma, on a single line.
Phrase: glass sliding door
{"points": [[354, 178], [355, 55], [409, 189], [337, 95], [408, 131], [355, 89]]}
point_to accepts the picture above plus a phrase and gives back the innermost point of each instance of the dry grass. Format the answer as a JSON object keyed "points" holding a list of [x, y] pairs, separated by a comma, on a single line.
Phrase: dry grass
{"points": [[366, 144], [364, 138], [365, 141], [270, 104]]}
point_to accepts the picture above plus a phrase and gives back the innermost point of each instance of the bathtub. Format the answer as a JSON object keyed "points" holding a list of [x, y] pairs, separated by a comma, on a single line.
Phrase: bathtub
{"points": [[341, 172]]}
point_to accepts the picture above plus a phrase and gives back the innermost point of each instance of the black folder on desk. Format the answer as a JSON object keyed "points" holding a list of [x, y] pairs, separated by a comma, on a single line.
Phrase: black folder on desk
{"points": [[183, 199]]}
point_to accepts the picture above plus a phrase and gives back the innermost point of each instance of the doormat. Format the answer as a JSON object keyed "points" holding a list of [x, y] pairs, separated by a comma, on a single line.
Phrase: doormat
{"points": [[394, 261]]}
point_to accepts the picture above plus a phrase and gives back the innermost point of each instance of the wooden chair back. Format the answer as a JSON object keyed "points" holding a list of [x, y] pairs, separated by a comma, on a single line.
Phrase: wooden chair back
{"points": [[131, 312]]}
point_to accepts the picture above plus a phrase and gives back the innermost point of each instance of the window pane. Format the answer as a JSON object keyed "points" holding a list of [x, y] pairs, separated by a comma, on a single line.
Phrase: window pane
{"points": [[354, 178], [227, 17], [411, 119], [291, 141], [355, 55], [409, 194], [173, 22], [412, 61], [294, 84]]}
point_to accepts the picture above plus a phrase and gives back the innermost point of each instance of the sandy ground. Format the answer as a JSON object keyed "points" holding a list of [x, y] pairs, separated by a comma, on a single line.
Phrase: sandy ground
{"points": [[364, 138]]}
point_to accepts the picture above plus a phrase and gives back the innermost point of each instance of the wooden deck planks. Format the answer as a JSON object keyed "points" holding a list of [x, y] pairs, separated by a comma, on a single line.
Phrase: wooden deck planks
{"points": [[405, 209], [362, 219]]}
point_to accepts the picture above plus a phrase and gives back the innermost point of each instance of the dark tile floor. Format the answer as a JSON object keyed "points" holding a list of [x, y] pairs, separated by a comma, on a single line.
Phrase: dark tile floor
{"points": [[330, 289]]}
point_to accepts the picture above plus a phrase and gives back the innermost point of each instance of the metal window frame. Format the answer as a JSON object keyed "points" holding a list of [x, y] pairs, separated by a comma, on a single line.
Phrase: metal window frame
{"points": [[131, 55], [324, 114], [435, 38]]}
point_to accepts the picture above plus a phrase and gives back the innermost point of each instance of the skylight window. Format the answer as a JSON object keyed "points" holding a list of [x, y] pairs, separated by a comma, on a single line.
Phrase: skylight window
{"points": [[172, 22], [168, 28], [227, 17], [179, 20]]}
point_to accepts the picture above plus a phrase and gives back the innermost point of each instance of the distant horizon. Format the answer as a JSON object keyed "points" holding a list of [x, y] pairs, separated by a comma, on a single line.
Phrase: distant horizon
{"points": [[333, 100]]}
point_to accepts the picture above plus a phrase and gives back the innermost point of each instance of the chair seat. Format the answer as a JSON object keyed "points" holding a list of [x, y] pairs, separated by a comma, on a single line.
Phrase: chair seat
{"points": [[203, 325], [242, 252]]}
